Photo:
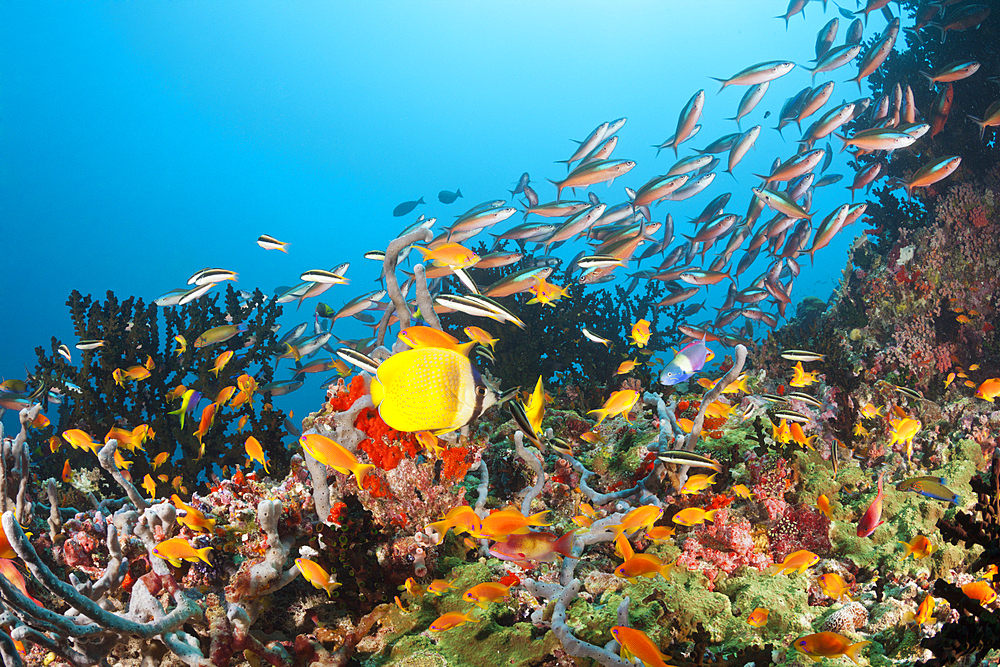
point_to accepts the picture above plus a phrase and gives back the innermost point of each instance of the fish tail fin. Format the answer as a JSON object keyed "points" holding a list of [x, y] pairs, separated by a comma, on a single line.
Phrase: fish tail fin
{"points": [[602, 414], [854, 650], [564, 545], [843, 139], [930, 79], [537, 518], [459, 192], [710, 515], [981, 124], [421, 201], [723, 81], [439, 527], [665, 569], [203, 555], [361, 471]]}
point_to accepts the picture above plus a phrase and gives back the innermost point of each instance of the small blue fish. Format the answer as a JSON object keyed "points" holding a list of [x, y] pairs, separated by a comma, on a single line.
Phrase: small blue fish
{"points": [[932, 487], [685, 363]]}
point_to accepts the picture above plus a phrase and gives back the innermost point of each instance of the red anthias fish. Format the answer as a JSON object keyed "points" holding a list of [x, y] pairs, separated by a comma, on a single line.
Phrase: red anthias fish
{"points": [[873, 517]]}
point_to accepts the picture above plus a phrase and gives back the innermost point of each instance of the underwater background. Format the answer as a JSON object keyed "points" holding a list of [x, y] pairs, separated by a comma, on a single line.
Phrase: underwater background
{"points": [[776, 447]]}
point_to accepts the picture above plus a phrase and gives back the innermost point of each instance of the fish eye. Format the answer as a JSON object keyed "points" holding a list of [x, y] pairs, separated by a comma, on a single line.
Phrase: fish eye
{"points": [[480, 390]]}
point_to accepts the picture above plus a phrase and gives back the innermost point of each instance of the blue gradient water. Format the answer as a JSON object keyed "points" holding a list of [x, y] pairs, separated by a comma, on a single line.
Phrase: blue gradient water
{"points": [[144, 141]]}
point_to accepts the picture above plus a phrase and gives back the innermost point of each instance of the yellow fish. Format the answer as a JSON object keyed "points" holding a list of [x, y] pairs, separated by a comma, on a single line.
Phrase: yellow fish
{"points": [[637, 644], [535, 409], [800, 560], [619, 403], [919, 547], [823, 504], [692, 516], [482, 594], [120, 461], [451, 620], [430, 389], [316, 575], [924, 612], [452, 255], [627, 366], [981, 591], [643, 565], [834, 585], [439, 586], [546, 293], [698, 483], [660, 534], [331, 453], [641, 333], [182, 344], [638, 519], [742, 491], [802, 378], [758, 617], [193, 518], [221, 361], [149, 485], [160, 459], [177, 549], [481, 336], [988, 390], [828, 645], [242, 422], [255, 452]]}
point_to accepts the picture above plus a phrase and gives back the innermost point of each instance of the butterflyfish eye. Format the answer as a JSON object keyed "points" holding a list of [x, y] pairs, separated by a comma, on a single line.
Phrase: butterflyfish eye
{"points": [[481, 390]]}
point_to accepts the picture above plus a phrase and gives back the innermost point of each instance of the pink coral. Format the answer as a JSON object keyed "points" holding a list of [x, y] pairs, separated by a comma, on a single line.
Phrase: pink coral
{"points": [[721, 546], [801, 527]]}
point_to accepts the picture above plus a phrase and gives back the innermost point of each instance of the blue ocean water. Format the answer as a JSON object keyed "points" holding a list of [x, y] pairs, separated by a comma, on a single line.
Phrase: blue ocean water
{"points": [[144, 141]]}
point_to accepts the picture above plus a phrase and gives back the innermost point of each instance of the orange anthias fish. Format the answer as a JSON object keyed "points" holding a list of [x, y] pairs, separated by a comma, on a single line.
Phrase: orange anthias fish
{"points": [[692, 516], [498, 525], [481, 336], [331, 453], [177, 549], [800, 560], [799, 436], [834, 585], [828, 645], [462, 519], [758, 617], [255, 452], [636, 644], [546, 293], [150, 485], [643, 565], [452, 255], [482, 594], [193, 518], [207, 419], [451, 620], [619, 403], [742, 491], [636, 520], [872, 518], [627, 366], [904, 430], [781, 433], [989, 390], [221, 361], [67, 472], [420, 336], [803, 378], [698, 483], [160, 459], [439, 586], [823, 504], [981, 591], [316, 575], [641, 333], [919, 547], [660, 534], [924, 611]]}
